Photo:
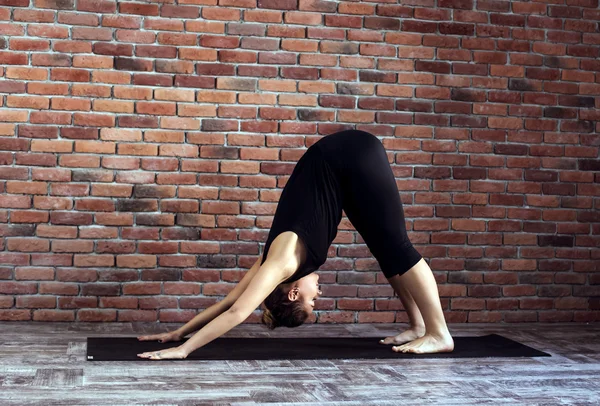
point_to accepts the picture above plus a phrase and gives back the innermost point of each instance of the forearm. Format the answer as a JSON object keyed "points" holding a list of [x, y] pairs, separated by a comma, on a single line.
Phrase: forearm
{"points": [[215, 310], [215, 329], [204, 317]]}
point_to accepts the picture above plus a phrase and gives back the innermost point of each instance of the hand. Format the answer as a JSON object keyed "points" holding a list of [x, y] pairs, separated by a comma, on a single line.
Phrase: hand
{"points": [[162, 337], [169, 353]]}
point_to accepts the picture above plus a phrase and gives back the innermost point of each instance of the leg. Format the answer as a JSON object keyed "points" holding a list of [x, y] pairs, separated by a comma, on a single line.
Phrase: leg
{"points": [[417, 325], [373, 206], [420, 284]]}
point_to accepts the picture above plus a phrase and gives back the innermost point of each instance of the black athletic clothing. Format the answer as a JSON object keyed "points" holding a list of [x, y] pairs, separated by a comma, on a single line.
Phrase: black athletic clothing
{"points": [[347, 170]]}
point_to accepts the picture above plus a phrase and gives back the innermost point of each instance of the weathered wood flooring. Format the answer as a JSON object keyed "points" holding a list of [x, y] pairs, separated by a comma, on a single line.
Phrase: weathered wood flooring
{"points": [[44, 363]]}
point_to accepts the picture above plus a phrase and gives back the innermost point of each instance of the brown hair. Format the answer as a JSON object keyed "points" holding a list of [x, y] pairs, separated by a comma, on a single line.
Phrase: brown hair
{"points": [[279, 310]]}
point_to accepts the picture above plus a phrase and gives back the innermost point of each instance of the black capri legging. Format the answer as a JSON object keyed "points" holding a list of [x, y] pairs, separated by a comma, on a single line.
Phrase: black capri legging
{"points": [[370, 198]]}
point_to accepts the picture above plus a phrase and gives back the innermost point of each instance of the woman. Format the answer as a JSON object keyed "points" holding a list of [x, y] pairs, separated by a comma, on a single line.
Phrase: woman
{"points": [[348, 171]]}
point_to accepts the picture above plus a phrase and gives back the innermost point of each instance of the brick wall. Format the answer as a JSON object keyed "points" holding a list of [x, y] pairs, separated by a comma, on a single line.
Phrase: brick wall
{"points": [[144, 147]]}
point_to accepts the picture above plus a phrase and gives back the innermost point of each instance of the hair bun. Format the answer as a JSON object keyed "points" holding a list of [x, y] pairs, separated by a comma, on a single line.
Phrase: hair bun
{"points": [[269, 320]]}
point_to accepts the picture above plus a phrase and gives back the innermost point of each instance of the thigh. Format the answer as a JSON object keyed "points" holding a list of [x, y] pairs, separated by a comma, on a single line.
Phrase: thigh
{"points": [[372, 203]]}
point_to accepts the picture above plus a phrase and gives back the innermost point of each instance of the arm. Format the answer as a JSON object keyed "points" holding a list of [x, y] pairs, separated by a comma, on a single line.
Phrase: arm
{"points": [[218, 308], [209, 314], [264, 282]]}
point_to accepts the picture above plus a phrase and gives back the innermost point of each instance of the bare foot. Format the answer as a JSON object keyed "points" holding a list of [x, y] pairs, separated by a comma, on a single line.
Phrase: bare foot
{"points": [[409, 335], [427, 344]]}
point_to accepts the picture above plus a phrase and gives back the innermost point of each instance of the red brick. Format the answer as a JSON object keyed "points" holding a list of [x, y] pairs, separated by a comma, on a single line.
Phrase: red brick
{"points": [[77, 302], [6, 301], [170, 10], [467, 304], [18, 288], [137, 315], [520, 317], [176, 316], [69, 75], [36, 302], [162, 302], [181, 288], [138, 8], [337, 317], [53, 315], [556, 316], [149, 288], [13, 58], [59, 288], [96, 315], [36, 274], [15, 315], [119, 302], [219, 41]]}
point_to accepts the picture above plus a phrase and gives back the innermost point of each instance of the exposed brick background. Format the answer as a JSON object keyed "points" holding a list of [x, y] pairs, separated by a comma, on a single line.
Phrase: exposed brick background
{"points": [[144, 147]]}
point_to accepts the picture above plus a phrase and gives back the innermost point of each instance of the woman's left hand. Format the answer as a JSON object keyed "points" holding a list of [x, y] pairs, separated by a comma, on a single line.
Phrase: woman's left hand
{"points": [[169, 353]]}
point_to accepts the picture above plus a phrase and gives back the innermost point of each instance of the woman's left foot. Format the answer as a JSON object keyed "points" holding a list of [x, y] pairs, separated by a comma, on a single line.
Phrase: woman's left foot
{"points": [[428, 344]]}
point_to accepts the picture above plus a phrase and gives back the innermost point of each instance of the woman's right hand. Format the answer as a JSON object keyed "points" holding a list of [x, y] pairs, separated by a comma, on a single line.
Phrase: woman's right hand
{"points": [[162, 337]]}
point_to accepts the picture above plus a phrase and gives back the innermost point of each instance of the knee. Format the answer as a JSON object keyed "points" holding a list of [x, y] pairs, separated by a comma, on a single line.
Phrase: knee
{"points": [[399, 260]]}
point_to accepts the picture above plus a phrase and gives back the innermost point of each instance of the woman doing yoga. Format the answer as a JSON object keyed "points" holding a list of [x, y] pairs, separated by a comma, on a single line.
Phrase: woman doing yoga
{"points": [[349, 171]]}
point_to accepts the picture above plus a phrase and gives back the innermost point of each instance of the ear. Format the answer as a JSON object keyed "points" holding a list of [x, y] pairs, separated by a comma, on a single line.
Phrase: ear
{"points": [[294, 294]]}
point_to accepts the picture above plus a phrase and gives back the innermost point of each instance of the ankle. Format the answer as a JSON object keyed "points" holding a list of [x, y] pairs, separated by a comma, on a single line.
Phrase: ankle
{"points": [[419, 328], [440, 334]]}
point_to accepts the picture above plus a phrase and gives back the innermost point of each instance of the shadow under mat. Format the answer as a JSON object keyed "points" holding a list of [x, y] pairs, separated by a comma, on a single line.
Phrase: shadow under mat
{"points": [[230, 348]]}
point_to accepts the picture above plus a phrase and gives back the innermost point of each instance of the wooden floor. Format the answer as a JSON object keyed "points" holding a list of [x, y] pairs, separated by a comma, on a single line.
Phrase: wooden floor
{"points": [[44, 363]]}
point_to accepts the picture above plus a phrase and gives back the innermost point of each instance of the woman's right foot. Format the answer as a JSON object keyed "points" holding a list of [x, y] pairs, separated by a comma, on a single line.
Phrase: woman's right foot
{"points": [[428, 344], [409, 335]]}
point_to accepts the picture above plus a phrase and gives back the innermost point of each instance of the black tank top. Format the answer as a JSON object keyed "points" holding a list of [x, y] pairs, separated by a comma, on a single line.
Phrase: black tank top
{"points": [[311, 201]]}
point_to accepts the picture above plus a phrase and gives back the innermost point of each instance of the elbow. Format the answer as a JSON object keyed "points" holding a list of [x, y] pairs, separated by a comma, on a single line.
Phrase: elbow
{"points": [[239, 315]]}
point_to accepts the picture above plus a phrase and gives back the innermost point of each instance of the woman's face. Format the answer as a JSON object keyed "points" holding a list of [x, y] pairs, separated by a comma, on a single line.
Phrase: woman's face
{"points": [[306, 290]]}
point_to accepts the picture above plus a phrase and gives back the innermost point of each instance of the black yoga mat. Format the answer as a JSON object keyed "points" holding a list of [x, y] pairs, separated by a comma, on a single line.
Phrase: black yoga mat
{"points": [[230, 348]]}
